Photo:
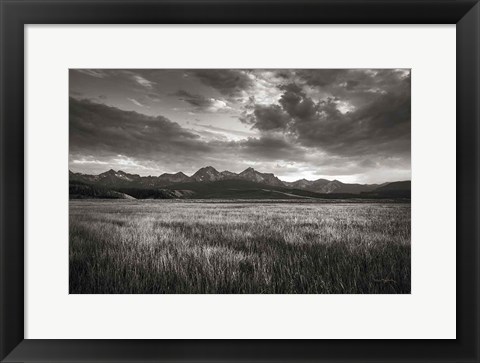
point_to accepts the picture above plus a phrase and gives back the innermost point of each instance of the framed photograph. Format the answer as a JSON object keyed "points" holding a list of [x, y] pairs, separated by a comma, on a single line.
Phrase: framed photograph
{"points": [[240, 181]]}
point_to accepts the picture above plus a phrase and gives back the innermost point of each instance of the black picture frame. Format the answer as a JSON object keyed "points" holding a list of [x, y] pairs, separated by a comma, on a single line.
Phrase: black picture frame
{"points": [[15, 14]]}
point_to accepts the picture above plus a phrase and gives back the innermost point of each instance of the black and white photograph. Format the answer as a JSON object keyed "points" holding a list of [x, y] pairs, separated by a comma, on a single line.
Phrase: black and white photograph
{"points": [[239, 181]]}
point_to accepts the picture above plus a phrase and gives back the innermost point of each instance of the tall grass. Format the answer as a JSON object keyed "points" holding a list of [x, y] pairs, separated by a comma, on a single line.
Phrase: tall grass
{"points": [[150, 247]]}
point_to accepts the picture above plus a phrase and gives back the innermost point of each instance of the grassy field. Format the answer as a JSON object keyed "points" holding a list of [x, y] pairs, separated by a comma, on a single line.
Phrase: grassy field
{"points": [[171, 247]]}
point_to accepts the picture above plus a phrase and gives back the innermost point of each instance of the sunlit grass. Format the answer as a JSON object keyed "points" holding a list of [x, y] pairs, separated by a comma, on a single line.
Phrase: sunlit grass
{"points": [[189, 247]]}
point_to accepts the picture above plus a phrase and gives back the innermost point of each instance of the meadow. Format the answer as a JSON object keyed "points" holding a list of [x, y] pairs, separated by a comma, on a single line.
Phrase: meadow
{"points": [[240, 247]]}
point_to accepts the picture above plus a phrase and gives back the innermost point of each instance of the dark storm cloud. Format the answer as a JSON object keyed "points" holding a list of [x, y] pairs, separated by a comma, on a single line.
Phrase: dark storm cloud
{"points": [[228, 82], [377, 123], [97, 129], [267, 117], [295, 102]]}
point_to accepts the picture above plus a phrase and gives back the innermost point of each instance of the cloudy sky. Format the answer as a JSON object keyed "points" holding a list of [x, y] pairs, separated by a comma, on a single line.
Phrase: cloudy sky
{"points": [[353, 125]]}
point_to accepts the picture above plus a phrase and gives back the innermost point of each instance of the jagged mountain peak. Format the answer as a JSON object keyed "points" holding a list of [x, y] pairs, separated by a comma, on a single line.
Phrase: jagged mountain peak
{"points": [[173, 174], [108, 172], [208, 173], [209, 167], [169, 178], [112, 175], [251, 174], [249, 171]]}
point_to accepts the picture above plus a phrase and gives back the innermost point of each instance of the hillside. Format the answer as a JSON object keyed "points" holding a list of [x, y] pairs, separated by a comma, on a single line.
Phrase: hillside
{"points": [[400, 185], [78, 190], [401, 189], [242, 189]]}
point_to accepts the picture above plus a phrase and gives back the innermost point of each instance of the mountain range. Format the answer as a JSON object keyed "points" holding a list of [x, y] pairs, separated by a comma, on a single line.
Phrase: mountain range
{"points": [[208, 182]]}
